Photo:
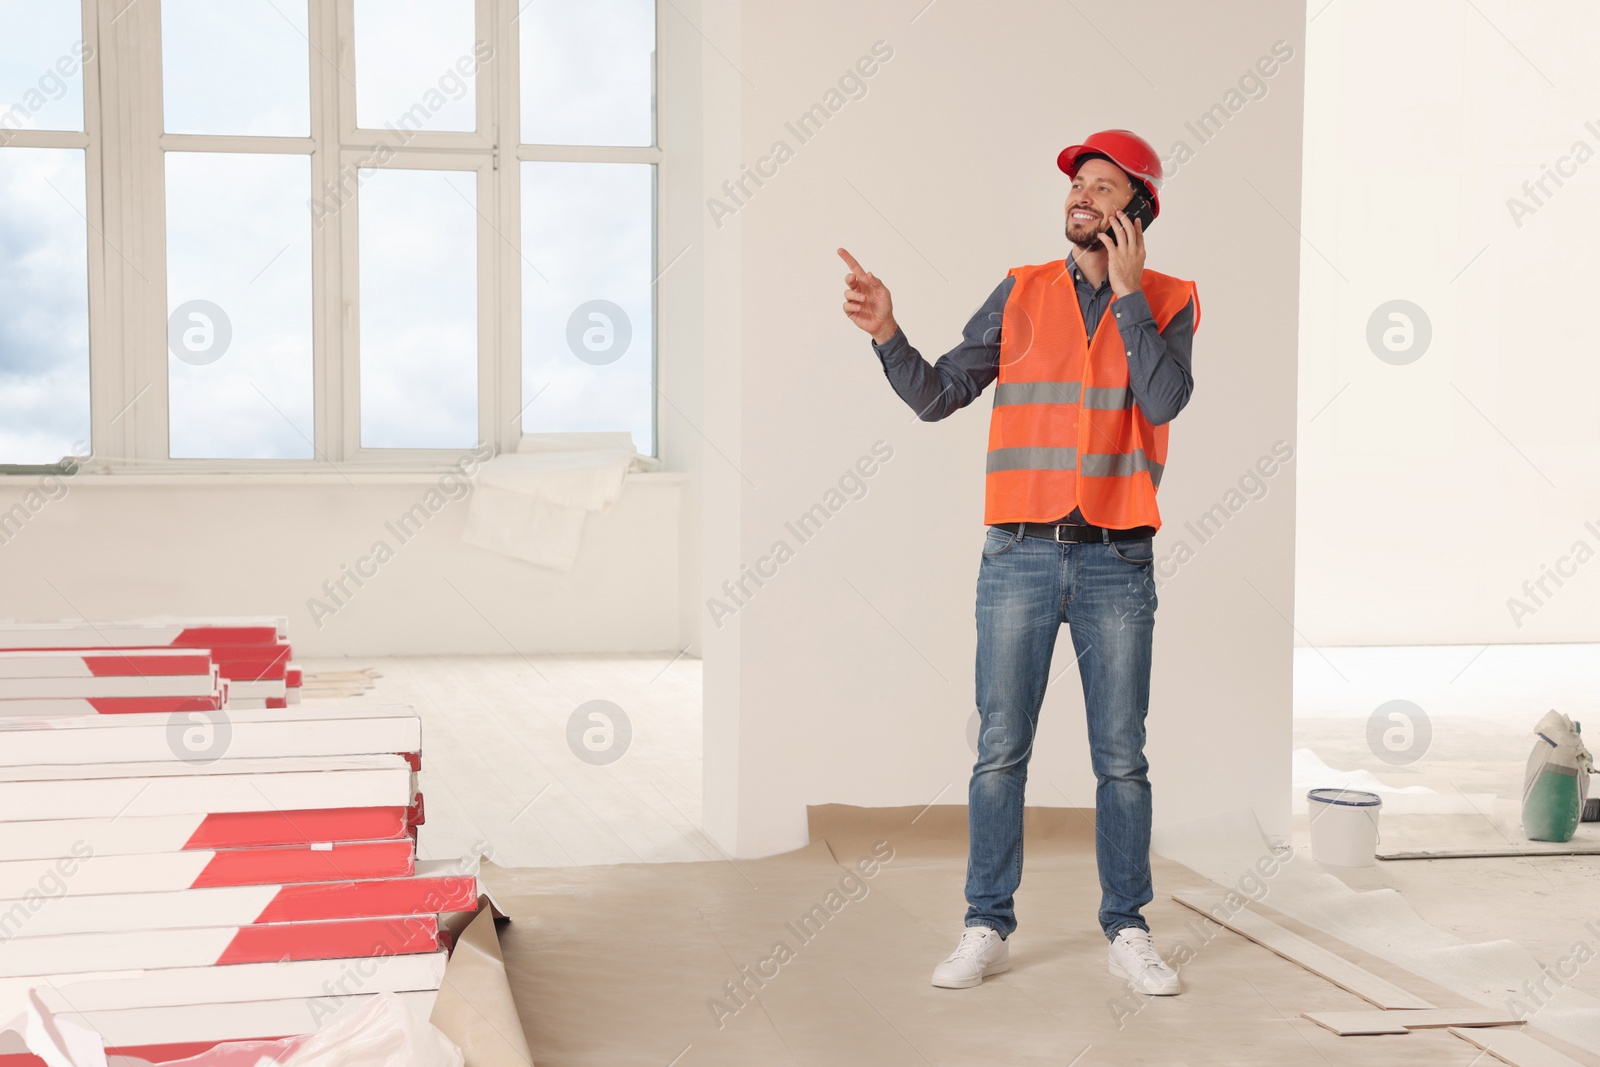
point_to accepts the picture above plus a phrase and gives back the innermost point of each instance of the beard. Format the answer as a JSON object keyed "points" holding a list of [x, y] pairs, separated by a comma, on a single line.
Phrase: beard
{"points": [[1087, 236]]}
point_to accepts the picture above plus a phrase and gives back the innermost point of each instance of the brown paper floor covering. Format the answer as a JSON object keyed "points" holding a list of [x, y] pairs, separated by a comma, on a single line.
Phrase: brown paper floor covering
{"points": [[624, 964]]}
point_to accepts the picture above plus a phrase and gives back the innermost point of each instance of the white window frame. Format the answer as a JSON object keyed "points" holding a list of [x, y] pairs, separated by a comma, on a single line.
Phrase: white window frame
{"points": [[90, 143], [127, 244]]}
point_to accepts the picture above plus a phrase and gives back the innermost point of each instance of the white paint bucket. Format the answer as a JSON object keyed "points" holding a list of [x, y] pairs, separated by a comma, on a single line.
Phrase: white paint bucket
{"points": [[1344, 826]]}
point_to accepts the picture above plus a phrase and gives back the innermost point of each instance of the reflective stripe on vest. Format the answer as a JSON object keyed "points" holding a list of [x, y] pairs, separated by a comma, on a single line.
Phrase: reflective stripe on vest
{"points": [[1118, 464], [1033, 459], [1097, 398], [1065, 430], [1095, 464]]}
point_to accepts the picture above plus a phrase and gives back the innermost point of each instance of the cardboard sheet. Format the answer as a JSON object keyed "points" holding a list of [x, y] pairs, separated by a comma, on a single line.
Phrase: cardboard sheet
{"points": [[208, 946], [475, 1007], [242, 905], [676, 962], [134, 834], [112, 790], [190, 631], [89, 687], [237, 1021], [177, 986], [46, 707], [202, 868], [80, 663], [321, 731]]}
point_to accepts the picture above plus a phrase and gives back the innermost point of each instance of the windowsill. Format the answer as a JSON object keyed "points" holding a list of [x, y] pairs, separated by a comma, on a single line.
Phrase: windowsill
{"points": [[355, 475]]}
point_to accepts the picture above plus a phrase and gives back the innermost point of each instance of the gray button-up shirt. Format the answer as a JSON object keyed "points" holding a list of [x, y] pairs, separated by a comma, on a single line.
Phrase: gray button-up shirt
{"points": [[1158, 360]]}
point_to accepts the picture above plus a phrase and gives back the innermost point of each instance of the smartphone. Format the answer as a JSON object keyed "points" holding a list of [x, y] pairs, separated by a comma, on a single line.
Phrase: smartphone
{"points": [[1137, 208]]}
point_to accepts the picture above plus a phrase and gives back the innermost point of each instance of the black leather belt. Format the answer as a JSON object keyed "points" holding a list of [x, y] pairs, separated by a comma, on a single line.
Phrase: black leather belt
{"points": [[1075, 532]]}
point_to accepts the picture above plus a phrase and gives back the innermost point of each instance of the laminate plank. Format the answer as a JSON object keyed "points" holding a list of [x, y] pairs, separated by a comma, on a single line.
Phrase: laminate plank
{"points": [[1296, 949]]}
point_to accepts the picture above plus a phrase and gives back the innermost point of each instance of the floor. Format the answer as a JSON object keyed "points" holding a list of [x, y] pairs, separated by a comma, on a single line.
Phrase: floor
{"points": [[509, 771], [641, 964], [1465, 928]]}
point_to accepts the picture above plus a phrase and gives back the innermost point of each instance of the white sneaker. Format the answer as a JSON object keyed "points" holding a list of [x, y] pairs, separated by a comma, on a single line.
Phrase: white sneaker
{"points": [[1134, 957], [982, 952]]}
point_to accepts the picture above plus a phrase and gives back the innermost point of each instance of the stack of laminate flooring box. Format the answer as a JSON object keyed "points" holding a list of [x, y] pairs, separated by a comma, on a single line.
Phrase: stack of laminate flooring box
{"points": [[150, 665], [174, 879]]}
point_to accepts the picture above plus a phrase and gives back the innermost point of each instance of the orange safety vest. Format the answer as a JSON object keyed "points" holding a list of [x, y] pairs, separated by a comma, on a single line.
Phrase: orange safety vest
{"points": [[1066, 431]]}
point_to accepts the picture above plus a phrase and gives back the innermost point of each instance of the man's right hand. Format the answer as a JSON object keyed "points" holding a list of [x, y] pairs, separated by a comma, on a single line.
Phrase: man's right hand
{"points": [[866, 302]]}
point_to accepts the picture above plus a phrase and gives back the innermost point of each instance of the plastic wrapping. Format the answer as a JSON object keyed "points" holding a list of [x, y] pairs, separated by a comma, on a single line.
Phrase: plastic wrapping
{"points": [[379, 1033]]}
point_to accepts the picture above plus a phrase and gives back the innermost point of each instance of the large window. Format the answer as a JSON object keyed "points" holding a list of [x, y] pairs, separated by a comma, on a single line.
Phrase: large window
{"points": [[298, 232], [44, 233]]}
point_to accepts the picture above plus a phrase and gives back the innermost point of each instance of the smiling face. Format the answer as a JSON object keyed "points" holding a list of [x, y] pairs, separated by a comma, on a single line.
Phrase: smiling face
{"points": [[1099, 189]]}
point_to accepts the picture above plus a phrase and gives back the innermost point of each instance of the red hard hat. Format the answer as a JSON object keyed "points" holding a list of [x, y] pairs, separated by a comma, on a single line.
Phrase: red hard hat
{"points": [[1127, 150]]}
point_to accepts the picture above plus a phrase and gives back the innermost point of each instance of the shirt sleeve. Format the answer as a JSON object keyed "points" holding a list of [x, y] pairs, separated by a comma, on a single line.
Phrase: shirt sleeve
{"points": [[959, 375], [1158, 360]]}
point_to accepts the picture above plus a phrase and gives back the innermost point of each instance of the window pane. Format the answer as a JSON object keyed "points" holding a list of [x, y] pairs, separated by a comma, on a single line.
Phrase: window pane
{"points": [[588, 72], [239, 306], [41, 65], [239, 68], [44, 306], [419, 308], [415, 65], [588, 334]]}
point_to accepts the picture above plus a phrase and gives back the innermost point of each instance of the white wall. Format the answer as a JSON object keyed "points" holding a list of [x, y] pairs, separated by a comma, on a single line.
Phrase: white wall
{"points": [[136, 547], [680, 253], [848, 676], [1432, 490]]}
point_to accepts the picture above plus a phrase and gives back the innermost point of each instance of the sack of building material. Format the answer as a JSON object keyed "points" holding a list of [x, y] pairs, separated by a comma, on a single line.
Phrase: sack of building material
{"points": [[1556, 785]]}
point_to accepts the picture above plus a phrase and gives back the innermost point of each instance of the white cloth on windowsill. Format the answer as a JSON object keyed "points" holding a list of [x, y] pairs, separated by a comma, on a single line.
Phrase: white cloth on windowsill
{"points": [[531, 505]]}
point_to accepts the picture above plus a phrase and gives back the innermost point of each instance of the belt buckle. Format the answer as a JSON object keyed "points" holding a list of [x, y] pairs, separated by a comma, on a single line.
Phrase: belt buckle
{"points": [[1059, 527]]}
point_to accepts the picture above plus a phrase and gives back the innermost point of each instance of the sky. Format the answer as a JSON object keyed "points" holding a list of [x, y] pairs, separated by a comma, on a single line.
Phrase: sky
{"points": [[239, 230]]}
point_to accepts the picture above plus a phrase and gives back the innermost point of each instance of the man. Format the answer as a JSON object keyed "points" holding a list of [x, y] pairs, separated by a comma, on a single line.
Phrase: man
{"points": [[1092, 357]]}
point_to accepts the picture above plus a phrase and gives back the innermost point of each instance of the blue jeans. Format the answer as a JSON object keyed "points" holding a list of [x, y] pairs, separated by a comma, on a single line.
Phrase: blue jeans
{"points": [[1105, 592]]}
